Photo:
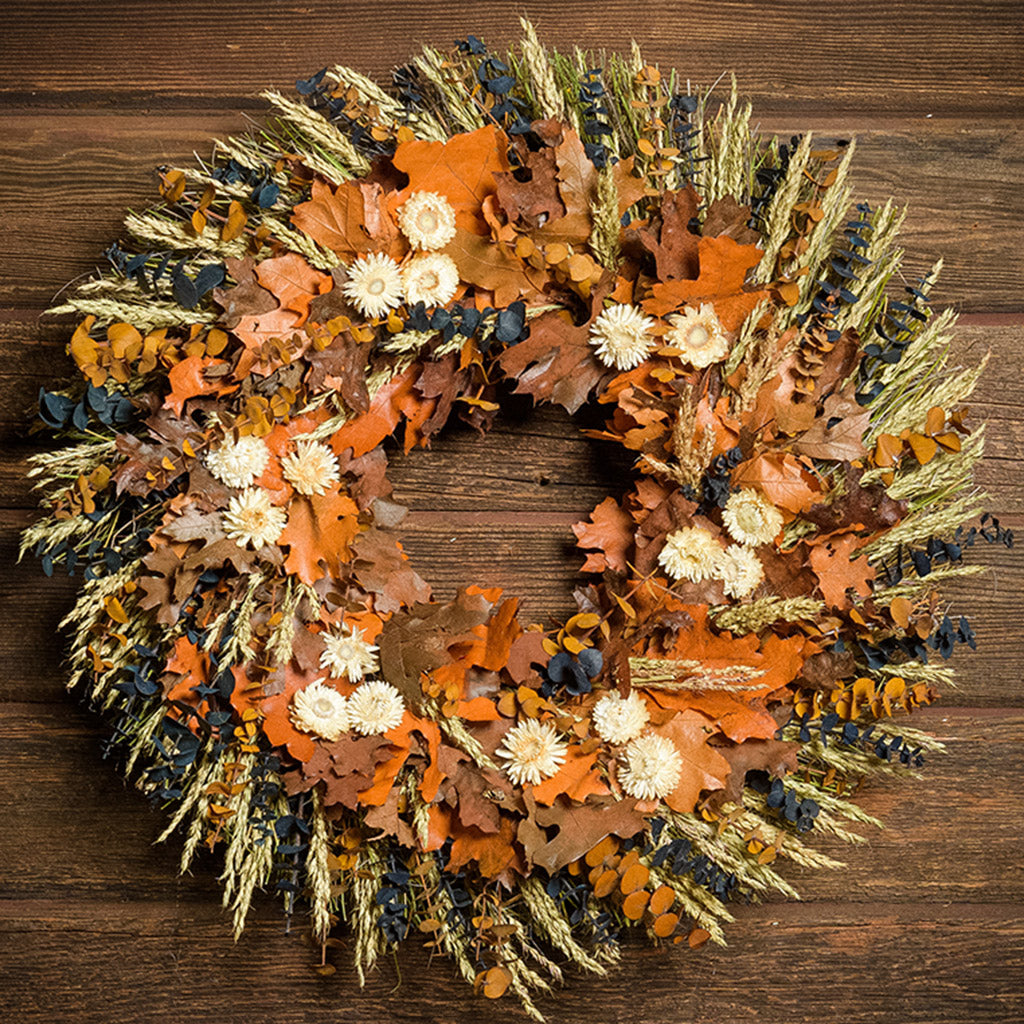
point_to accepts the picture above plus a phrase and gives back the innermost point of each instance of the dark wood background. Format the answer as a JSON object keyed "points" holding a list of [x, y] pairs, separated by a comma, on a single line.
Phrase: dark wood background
{"points": [[922, 926]]}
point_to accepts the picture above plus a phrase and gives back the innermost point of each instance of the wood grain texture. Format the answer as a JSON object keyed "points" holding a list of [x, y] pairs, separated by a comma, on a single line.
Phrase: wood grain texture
{"points": [[923, 924]]}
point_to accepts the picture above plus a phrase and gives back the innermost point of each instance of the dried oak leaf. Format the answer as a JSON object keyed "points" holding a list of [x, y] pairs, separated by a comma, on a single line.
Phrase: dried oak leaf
{"points": [[577, 778], [417, 641], [782, 478], [772, 756], [191, 666], [609, 535], [246, 297], [189, 379], [318, 534], [580, 827], [556, 363], [824, 670], [858, 507], [388, 818], [739, 717], [725, 216], [413, 737], [494, 854], [837, 570], [351, 220], [671, 242], [495, 638], [492, 266], [383, 570], [392, 401], [342, 367], [841, 440], [529, 196], [462, 169], [704, 768], [293, 282], [724, 265], [370, 476], [526, 651]]}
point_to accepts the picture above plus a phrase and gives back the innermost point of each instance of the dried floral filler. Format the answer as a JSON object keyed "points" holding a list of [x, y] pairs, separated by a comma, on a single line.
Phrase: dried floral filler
{"points": [[760, 607]]}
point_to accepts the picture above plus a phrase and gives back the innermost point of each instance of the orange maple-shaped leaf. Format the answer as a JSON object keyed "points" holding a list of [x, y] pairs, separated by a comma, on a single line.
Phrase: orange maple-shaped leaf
{"points": [[319, 531], [578, 778], [704, 768], [837, 570], [610, 532], [782, 478], [777, 660], [493, 853], [724, 264], [461, 169]]}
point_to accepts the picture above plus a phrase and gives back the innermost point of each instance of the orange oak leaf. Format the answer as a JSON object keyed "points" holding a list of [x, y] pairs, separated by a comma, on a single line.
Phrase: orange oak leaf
{"points": [[578, 778], [735, 717], [777, 660], [351, 220], [723, 270], [195, 666], [319, 531], [610, 532], [293, 281], [704, 768], [838, 571], [363, 433], [277, 724], [496, 637], [782, 478], [493, 854], [402, 739], [187, 381], [461, 169]]}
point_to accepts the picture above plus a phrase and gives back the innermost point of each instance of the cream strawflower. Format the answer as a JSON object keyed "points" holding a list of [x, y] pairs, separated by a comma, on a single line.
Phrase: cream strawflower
{"points": [[321, 710], [691, 553], [375, 707], [431, 279], [740, 570], [619, 719], [750, 518], [699, 335], [652, 768], [620, 336], [311, 469], [238, 463], [347, 654], [251, 519], [374, 284], [533, 751], [427, 220]]}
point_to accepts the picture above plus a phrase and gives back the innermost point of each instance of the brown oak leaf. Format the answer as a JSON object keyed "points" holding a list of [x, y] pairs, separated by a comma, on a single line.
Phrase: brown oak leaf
{"points": [[724, 265], [609, 534]]}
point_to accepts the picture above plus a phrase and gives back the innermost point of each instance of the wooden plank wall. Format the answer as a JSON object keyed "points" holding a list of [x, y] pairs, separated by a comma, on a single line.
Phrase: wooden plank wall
{"points": [[922, 926]]}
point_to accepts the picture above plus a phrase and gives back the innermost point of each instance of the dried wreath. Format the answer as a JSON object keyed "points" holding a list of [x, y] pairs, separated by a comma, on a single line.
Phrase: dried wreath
{"points": [[761, 607]]}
